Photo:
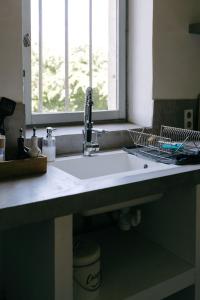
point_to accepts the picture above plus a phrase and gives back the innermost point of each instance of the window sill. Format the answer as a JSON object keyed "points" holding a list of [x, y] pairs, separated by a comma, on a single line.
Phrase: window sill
{"points": [[69, 138], [77, 130]]}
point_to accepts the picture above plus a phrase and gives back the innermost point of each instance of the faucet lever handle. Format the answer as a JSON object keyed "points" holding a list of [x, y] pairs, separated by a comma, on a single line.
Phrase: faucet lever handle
{"points": [[99, 131]]}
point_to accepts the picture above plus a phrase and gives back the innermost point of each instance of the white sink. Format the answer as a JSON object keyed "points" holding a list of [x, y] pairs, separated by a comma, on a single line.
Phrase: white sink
{"points": [[113, 164], [104, 164]]}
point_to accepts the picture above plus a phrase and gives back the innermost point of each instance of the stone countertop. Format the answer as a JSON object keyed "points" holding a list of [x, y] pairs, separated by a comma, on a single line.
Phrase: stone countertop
{"points": [[54, 194]]}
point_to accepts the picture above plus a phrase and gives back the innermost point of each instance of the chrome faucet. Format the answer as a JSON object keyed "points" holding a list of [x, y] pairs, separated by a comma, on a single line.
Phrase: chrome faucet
{"points": [[90, 146]]}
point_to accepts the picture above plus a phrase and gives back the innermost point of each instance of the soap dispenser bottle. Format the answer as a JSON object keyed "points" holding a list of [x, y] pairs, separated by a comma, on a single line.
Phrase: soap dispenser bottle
{"points": [[34, 149], [49, 145], [22, 152]]}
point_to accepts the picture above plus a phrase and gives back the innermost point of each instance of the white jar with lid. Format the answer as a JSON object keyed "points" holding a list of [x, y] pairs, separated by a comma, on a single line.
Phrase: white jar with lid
{"points": [[86, 267], [2, 147]]}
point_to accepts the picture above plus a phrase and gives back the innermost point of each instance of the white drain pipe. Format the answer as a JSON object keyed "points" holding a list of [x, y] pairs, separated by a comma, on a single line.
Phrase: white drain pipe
{"points": [[128, 218]]}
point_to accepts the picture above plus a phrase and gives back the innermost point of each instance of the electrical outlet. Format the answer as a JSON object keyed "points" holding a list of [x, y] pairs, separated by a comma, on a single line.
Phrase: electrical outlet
{"points": [[188, 119]]}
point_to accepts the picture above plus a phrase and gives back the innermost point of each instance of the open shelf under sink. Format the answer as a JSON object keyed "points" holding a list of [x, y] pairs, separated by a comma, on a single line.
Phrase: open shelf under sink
{"points": [[133, 268]]}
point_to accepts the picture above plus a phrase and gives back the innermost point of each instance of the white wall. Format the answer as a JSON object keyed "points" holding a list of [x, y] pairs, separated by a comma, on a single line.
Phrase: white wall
{"points": [[140, 62], [11, 84], [176, 53]]}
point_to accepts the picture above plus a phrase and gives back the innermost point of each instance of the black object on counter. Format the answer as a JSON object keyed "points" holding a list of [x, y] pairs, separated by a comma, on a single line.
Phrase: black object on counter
{"points": [[22, 149], [188, 159], [7, 108]]}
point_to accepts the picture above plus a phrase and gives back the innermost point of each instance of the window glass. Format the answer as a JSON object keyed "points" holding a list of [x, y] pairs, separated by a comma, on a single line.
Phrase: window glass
{"points": [[63, 33], [78, 49]]}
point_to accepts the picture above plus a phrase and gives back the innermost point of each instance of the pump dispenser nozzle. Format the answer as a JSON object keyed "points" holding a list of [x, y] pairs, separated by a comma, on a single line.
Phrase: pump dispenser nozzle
{"points": [[34, 131], [50, 131]]}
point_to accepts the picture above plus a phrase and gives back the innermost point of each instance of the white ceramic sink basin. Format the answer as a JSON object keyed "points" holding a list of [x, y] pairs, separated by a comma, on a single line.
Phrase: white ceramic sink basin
{"points": [[104, 164]]}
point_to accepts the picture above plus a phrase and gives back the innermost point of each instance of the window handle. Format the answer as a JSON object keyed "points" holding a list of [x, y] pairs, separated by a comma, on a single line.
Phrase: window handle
{"points": [[27, 40]]}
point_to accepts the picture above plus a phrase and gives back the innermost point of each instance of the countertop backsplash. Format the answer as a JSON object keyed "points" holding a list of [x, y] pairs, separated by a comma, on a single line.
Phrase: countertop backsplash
{"points": [[72, 143]]}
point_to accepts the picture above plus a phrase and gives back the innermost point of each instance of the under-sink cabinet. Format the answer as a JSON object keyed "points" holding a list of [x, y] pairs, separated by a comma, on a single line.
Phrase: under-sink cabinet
{"points": [[157, 259], [160, 259]]}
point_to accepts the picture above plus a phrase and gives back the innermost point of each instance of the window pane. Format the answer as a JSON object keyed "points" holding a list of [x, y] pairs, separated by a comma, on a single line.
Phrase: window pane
{"points": [[53, 73], [78, 48], [60, 54], [104, 54]]}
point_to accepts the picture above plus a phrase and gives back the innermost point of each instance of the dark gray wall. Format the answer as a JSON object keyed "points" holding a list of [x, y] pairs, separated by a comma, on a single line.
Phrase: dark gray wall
{"points": [[171, 113]]}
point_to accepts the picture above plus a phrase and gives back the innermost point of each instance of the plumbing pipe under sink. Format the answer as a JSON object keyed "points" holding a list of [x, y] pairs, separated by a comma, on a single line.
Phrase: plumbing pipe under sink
{"points": [[129, 218]]}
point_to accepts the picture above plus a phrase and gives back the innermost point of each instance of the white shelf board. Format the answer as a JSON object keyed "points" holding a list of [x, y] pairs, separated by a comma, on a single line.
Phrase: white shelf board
{"points": [[134, 268]]}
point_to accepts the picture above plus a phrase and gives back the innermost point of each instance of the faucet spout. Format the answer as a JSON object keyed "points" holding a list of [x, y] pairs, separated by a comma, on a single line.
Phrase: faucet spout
{"points": [[88, 115], [90, 146]]}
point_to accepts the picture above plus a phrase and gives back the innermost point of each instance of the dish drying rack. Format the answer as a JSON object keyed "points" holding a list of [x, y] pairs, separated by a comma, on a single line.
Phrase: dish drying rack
{"points": [[172, 146]]}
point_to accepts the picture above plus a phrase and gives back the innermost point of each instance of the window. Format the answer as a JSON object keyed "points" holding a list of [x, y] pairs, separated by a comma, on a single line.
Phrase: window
{"points": [[74, 44]]}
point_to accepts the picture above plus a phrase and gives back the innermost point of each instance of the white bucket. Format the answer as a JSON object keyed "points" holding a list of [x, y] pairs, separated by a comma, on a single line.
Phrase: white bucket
{"points": [[87, 278]]}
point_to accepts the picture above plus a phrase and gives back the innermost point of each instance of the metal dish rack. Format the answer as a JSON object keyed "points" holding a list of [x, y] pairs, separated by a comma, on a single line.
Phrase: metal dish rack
{"points": [[171, 144]]}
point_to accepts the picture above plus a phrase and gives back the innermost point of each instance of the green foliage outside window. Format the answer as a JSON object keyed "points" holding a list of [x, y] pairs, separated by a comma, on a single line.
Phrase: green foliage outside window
{"points": [[78, 80]]}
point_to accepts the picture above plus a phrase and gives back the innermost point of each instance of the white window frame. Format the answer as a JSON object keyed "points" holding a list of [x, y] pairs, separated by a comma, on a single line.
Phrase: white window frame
{"points": [[70, 117]]}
